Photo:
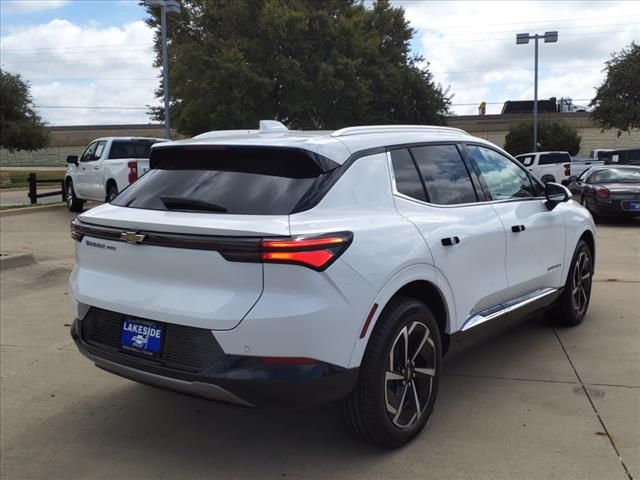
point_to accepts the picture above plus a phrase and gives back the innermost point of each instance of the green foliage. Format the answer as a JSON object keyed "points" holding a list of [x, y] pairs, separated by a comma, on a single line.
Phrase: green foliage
{"points": [[308, 63], [617, 100], [20, 127], [553, 135]]}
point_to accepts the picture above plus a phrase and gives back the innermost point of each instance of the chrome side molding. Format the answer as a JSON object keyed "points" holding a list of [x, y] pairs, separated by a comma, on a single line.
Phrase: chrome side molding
{"points": [[506, 307]]}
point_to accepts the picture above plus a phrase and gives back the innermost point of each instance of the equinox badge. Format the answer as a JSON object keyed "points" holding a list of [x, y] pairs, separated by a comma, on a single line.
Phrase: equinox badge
{"points": [[132, 237]]}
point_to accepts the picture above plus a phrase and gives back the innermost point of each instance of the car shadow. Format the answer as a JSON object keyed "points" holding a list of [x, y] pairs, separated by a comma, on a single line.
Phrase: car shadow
{"points": [[137, 428]]}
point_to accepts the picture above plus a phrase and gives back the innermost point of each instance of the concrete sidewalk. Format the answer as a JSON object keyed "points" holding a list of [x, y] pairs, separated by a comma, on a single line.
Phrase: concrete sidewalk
{"points": [[531, 402]]}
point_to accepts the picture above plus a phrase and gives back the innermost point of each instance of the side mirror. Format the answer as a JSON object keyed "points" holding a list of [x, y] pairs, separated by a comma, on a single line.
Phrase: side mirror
{"points": [[72, 159], [555, 194]]}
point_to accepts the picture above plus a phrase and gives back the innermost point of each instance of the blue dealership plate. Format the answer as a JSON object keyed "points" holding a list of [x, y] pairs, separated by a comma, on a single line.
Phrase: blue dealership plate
{"points": [[633, 205], [142, 336]]}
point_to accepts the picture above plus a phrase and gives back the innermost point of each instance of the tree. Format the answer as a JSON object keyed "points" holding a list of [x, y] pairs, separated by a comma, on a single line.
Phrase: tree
{"points": [[20, 127], [310, 64], [617, 100], [553, 135]]}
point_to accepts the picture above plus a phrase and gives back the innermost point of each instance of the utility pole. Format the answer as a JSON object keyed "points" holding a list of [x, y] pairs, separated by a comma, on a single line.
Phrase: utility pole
{"points": [[166, 6], [523, 38]]}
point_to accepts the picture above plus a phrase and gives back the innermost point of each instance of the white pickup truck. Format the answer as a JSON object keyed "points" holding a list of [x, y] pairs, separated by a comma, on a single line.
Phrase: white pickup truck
{"points": [[547, 166], [107, 166]]}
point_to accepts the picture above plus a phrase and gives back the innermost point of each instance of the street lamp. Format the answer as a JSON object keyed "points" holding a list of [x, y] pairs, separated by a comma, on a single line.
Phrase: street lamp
{"points": [[166, 6], [522, 38]]}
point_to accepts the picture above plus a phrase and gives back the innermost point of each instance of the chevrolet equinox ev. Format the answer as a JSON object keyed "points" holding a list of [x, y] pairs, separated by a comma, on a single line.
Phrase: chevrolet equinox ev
{"points": [[285, 268]]}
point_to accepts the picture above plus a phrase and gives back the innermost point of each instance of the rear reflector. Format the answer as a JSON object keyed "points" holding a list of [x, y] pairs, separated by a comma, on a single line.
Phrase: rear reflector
{"points": [[567, 169], [365, 327], [317, 252]]}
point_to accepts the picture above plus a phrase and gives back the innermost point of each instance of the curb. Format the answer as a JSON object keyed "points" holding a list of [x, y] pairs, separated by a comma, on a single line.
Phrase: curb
{"points": [[16, 260], [20, 211]]}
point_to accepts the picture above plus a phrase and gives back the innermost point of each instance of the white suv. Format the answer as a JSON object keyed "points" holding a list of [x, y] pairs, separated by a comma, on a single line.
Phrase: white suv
{"points": [[290, 268]]}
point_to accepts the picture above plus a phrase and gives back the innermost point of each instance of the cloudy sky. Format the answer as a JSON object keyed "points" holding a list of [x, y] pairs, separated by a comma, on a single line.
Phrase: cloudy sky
{"points": [[90, 61]]}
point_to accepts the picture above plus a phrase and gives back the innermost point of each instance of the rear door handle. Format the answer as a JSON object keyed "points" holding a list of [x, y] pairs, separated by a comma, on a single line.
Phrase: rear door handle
{"points": [[517, 228], [447, 242]]}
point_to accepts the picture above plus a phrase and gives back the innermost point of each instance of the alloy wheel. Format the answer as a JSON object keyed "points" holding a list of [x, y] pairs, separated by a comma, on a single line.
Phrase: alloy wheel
{"points": [[409, 374], [581, 284], [69, 194]]}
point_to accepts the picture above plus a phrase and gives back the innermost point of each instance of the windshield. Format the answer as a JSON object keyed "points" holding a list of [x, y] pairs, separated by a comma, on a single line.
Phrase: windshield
{"points": [[617, 175]]}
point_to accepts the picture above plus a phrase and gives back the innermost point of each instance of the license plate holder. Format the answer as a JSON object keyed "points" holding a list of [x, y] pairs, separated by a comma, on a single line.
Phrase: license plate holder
{"points": [[142, 337]]}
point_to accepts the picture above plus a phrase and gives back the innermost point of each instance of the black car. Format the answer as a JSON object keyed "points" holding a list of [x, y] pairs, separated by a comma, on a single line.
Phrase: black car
{"points": [[608, 190]]}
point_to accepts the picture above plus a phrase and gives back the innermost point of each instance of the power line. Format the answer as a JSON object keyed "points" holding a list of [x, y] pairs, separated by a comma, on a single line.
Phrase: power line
{"points": [[554, 21], [92, 107]]}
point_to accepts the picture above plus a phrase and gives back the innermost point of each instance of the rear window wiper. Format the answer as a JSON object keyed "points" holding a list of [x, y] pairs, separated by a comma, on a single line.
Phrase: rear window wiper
{"points": [[183, 203]]}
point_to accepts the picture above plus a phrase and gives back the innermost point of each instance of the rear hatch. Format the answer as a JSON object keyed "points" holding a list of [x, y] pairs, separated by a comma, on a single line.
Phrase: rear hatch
{"points": [[180, 244]]}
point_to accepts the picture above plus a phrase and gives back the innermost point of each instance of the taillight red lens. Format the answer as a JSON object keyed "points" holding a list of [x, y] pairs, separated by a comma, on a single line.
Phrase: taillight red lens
{"points": [[316, 252], [567, 169], [133, 171], [602, 192]]}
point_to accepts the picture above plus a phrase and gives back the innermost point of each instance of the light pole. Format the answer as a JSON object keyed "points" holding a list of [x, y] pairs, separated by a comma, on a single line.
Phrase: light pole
{"points": [[522, 38], [166, 6]]}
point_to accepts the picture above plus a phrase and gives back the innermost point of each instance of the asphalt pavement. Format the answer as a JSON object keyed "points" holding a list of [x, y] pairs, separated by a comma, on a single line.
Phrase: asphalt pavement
{"points": [[529, 402]]}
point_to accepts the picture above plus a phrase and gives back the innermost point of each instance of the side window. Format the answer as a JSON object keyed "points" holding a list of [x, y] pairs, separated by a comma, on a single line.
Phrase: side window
{"points": [[504, 179], [445, 174], [526, 160], [99, 150], [553, 158], [583, 175], [87, 156], [406, 175]]}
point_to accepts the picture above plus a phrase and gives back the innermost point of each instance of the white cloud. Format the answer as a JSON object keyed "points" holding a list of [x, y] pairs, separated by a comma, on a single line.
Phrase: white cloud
{"points": [[471, 46], [71, 65], [18, 7]]}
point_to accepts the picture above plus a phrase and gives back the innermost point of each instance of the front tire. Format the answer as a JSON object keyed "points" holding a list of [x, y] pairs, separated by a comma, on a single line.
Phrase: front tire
{"points": [[74, 204], [571, 307], [399, 376]]}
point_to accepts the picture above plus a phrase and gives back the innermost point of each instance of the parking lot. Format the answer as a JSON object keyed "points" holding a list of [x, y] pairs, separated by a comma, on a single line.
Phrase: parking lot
{"points": [[530, 401]]}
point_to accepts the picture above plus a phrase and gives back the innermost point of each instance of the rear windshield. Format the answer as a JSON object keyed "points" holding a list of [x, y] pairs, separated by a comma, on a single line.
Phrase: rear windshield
{"points": [[234, 181], [526, 160], [130, 149], [617, 175], [549, 158]]}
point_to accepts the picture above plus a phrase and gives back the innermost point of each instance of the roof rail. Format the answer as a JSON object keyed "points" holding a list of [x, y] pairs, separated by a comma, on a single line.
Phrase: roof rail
{"points": [[343, 132]]}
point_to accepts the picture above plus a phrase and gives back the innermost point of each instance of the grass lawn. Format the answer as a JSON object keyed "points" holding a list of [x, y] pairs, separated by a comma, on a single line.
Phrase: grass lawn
{"points": [[20, 178]]}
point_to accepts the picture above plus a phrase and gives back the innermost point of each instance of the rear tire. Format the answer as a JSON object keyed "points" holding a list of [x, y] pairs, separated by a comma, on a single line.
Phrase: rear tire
{"points": [[74, 204], [399, 376], [112, 192], [571, 307]]}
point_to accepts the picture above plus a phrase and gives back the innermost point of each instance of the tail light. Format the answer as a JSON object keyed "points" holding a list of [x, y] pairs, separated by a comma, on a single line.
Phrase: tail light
{"points": [[567, 169], [317, 252], [602, 192], [133, 171]]}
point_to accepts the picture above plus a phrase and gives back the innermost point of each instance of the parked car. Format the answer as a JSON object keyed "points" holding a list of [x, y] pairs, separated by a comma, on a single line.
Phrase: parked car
{"points": [[106, 167], [295, 268], [599, 153], [547, 166], [609, 190], [629, 156], [579, 165]]}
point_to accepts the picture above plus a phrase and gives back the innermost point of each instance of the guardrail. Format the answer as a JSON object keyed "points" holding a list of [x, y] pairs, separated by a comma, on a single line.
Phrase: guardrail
{"points": [[33, 188]]}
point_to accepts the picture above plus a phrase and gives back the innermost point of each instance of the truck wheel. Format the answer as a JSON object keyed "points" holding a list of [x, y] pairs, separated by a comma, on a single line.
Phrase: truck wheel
{"points": [[74, 204], [548, 178], [112, 192], [399, 376]]}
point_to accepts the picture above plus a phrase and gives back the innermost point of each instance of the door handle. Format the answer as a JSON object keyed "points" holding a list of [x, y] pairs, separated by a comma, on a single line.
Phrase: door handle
{"points": [[447, 242], [96, 168], [517, 228]]}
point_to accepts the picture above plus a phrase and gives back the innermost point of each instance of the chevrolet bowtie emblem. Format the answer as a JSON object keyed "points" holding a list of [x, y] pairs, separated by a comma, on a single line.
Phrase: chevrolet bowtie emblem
{"points": [[132, 237]]}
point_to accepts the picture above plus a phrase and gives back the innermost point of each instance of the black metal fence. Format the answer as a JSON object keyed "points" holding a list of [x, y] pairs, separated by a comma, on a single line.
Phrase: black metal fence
{"points": [[33, 188]]}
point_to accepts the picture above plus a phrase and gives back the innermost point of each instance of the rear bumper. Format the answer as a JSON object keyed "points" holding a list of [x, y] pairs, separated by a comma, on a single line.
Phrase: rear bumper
{"points": [[238, 380], [612, 208]]}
